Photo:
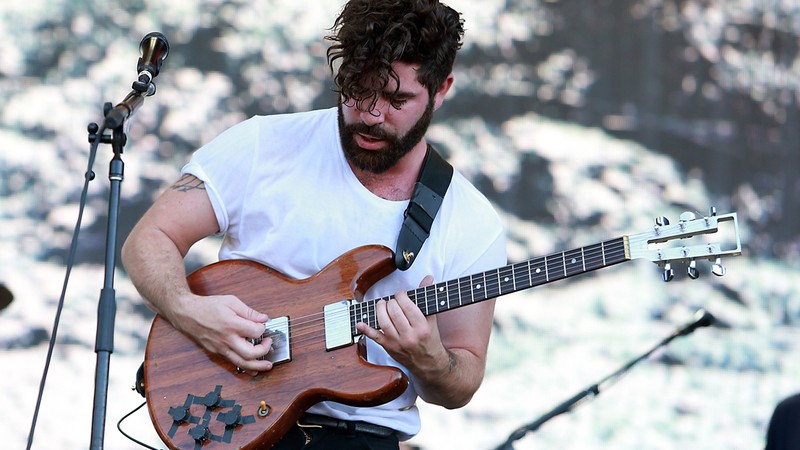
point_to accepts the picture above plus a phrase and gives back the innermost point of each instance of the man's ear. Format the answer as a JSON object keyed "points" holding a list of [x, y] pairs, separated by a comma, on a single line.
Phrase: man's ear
{"points": [[441, 92]]}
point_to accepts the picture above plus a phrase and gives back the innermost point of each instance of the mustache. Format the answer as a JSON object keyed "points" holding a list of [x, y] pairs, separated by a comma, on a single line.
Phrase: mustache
{"points": [[375, 131]]}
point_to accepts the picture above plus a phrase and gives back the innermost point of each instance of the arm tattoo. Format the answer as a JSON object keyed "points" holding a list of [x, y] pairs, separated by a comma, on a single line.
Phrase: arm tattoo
{"points": [[453, 362], [188, 183]]}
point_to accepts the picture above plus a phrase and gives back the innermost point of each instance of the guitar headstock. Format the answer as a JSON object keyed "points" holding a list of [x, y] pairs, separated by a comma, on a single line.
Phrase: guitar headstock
{"points": [[666, 244]]}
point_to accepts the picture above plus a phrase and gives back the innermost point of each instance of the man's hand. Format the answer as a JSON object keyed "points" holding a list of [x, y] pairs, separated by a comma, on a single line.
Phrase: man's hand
{"points": [[223, 324], [445, 353], [407, 335]]}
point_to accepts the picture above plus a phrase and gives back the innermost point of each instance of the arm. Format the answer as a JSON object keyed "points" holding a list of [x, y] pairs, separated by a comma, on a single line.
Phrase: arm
{"points": [[445, 353], [153, 258]]}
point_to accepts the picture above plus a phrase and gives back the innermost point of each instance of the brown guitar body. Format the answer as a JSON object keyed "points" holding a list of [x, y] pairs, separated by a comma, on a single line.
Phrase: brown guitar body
{"points": [[191, 394]]}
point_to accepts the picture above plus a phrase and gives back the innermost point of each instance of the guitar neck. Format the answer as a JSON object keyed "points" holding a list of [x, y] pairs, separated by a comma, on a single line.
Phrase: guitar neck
{"points": [[508, 279]]}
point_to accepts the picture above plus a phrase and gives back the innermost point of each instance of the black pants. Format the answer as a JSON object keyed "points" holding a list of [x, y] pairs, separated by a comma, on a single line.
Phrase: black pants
{"points": [[313, 438]]}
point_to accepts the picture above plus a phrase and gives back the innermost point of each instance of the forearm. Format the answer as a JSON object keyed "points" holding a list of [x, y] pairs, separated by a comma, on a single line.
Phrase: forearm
{"points": [[452, 380]]}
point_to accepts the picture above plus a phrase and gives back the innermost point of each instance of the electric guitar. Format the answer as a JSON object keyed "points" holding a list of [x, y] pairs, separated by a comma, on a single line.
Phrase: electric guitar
{"points": [[200, 400]]}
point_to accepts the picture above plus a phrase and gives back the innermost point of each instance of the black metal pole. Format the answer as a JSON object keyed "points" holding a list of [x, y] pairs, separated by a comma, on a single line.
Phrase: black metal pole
{"points": [[107, 306]]}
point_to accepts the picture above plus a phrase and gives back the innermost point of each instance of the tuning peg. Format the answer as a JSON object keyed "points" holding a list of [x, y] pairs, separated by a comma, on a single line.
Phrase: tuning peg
{"points": [[662, 221], [717, 268], [668, 274], [692, 270], [687, 216], [712, 211]]}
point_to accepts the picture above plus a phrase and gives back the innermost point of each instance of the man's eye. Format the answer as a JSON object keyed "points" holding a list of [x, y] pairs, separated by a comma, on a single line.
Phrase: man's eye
{"points": [[397, 104]]}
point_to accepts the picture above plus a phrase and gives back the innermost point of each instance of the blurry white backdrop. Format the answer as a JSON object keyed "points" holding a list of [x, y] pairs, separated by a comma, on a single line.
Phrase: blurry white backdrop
{"points": [[536, 119]]}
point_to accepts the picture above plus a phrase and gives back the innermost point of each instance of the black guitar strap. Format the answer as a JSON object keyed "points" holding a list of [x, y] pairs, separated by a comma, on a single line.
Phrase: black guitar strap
{"points": [[429, 190]]}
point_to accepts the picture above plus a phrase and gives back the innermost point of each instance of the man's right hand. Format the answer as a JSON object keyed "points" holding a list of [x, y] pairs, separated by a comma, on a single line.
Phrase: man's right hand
{"points": [[222, 324]]}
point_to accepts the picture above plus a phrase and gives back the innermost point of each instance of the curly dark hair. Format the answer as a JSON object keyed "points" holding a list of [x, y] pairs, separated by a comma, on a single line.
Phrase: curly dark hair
{"points": [[370, 35]]}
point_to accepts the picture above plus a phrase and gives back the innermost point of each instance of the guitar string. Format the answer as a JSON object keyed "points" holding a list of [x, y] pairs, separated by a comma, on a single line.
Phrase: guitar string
{"points": [[590, 257], [311, 327], [430, 297], [594, 256]]}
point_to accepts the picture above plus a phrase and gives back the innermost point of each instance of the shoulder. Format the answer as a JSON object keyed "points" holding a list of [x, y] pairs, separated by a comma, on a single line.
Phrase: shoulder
{"points": [[315, 119], [465, 198], [471, 222]]}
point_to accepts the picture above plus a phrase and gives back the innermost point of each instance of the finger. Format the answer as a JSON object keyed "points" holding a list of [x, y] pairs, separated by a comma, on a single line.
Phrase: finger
{"points": [[242, 310], [255, 316], [246, 355], [427, 281], [244, 324], [411, 312], [390, 318], [395, 310], [368, 331], [248, 366]]}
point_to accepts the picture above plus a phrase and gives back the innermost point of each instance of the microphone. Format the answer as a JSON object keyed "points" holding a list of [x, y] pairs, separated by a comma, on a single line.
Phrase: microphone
{"points": [[153, 50], [702, 318]]}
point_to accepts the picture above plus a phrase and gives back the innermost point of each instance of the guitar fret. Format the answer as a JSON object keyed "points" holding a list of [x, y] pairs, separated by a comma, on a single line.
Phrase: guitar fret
{"points": [[440, 291], [554, 268], [583, 259], [440, 301], [541, 262], [474, 286], [451, 288], [530, 274], [492, 284], [603, 250], [571, 263], [506, 277], [546, 274]]}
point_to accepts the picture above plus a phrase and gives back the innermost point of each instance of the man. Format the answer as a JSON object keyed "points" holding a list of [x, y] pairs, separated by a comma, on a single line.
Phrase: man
{"points": [[295, 191]]}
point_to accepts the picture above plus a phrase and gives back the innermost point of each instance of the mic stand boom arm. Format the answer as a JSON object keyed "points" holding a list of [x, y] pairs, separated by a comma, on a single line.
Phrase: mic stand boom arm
{"points": [[703, 318]]}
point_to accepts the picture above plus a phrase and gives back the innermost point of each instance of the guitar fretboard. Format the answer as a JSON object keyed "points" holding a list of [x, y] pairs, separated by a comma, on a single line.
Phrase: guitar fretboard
{"points": [[508, 279]]}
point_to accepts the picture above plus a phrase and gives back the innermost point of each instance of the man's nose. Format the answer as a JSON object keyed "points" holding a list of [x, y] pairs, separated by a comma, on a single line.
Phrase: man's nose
{"points": [[377, 114]]}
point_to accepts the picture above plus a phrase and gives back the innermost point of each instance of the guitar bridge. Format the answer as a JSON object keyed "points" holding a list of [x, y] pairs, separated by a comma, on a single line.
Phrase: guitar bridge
{"points": [[278, 330]]}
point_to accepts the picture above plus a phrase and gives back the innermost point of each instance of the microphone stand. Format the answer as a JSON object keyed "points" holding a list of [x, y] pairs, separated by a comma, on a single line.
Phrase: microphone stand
{"points": [[107, 307], [703, 318]]}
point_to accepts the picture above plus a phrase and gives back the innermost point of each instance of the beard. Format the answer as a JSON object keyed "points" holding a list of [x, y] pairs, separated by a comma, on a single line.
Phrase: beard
{"points": [[379, 161]]}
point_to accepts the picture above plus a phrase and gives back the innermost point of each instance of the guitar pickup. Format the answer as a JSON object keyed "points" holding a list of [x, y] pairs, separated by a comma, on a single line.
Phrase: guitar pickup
{"points": [[337, 325], [278, 330]]}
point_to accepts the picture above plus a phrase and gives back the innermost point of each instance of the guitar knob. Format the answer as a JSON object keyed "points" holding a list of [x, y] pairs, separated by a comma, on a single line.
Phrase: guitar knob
{"points": [[692, 270], [200, 433], [179, 414], [211, 400], [231, 418], [668, 274], [717, 268]]}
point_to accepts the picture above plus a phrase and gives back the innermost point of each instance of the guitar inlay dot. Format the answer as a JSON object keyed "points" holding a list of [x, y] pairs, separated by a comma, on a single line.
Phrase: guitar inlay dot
{"points": [[477, 286], [538, 270], [442, 303], [574, 260], [441, 289], [506, 279]]}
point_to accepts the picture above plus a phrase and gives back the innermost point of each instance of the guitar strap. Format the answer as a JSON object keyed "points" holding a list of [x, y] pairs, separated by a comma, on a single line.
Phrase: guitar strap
{"points": [[429, 190]]}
